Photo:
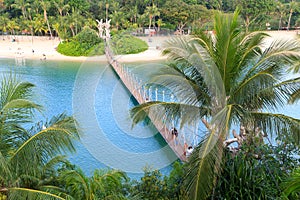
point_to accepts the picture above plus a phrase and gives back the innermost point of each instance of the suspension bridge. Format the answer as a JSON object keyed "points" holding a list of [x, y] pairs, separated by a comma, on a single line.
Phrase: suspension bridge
{"points": [[135, 89]]}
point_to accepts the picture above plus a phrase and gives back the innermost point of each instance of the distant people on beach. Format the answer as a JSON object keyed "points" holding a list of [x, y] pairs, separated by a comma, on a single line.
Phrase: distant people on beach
{"points": [[44, 57]]}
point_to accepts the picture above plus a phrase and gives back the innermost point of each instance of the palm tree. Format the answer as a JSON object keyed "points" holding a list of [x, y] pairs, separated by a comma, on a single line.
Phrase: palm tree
{"points": [[225, 80], [12, 26], [151, 12], [39, 24], [280, 8], [117, 17], [292, 6], [104, 184], [45, 6], [21, 4], [4, 19], [61, 6], [26, 155], [35, 6]]}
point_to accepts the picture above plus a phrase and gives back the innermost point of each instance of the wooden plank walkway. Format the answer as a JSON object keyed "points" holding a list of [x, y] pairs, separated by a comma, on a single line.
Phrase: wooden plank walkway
{"points": [[177, 147]]}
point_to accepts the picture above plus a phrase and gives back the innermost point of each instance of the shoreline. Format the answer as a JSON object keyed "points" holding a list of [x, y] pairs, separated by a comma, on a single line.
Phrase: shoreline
{"points": [[42, 48]]}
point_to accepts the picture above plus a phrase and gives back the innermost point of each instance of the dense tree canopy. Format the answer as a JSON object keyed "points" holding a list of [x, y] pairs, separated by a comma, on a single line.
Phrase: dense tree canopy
{"points": [[66, 18]]}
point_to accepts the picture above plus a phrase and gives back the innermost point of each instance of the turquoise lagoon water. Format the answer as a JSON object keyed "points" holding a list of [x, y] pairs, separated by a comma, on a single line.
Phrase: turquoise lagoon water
{"points": [[95, 95]]}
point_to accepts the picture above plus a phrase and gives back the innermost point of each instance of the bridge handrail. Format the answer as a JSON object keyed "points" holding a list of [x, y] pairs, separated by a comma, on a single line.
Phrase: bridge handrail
{"points": [[133, 87]]}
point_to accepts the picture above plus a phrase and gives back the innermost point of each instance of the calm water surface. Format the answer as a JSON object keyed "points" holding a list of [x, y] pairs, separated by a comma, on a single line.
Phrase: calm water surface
{"points": [[55, 85]]}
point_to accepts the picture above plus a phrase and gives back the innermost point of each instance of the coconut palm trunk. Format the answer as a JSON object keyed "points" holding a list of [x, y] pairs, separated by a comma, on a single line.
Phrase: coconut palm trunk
{"points": [[45, 6]]}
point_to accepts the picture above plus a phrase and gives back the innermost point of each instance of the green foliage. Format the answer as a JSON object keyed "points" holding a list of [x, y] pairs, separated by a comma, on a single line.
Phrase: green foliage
{"points": [[151, 186], [3, 197], [176, 189], [291, 185], [86, 43], [253, 10], [27, 157], [256, 172], [127, 44], [88, 36], [177, 13], [155, 186], [104, 184]]}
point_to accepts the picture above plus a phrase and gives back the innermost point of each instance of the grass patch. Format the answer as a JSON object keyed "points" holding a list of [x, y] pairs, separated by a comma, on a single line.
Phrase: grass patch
{"points": [[127, 44]]}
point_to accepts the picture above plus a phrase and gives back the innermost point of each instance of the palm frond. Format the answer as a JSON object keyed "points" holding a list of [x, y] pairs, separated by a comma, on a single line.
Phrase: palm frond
{"points": [[205, 163], [249, 47], [4, 168], [184, 89], [15, 104], [290, 89], [108, 182], [295, 67], [44, 144], [294, 97], [168, 112], [185, 49], [77, 184], [227, 39], [292, 184], [275, 124], [203, 167], [51, 166], [25, 194], [59, 191], [279, 53]]}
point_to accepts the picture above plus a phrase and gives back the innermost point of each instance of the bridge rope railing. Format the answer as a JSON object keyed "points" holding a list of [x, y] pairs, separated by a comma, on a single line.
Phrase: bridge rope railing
{"points": [[136, 88]]}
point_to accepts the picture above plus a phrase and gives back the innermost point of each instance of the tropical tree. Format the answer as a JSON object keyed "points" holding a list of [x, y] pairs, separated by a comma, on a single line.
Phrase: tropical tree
{"points": [[246, 176], [74, 21], [181, 14], [159, 24], [35, 6], [252, 10], [104, 184], [225, 80], [4, 19], [22, 5], [45, 6], [133, 14], [292, 6], [117, 17], [280, 8], [151, 12], [39, 24], [12, 26], [26, 155], [61, 6]]}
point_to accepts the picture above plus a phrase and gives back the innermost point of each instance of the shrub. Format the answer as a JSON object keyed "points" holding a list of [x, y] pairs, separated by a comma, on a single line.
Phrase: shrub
{"points": [[256, 172], [74, 48], [86, 43], [88, 36], [127, 44]]}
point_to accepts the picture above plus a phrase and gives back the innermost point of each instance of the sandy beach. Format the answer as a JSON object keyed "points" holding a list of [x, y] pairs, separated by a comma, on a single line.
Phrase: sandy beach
{"points": [[43, 48]]}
